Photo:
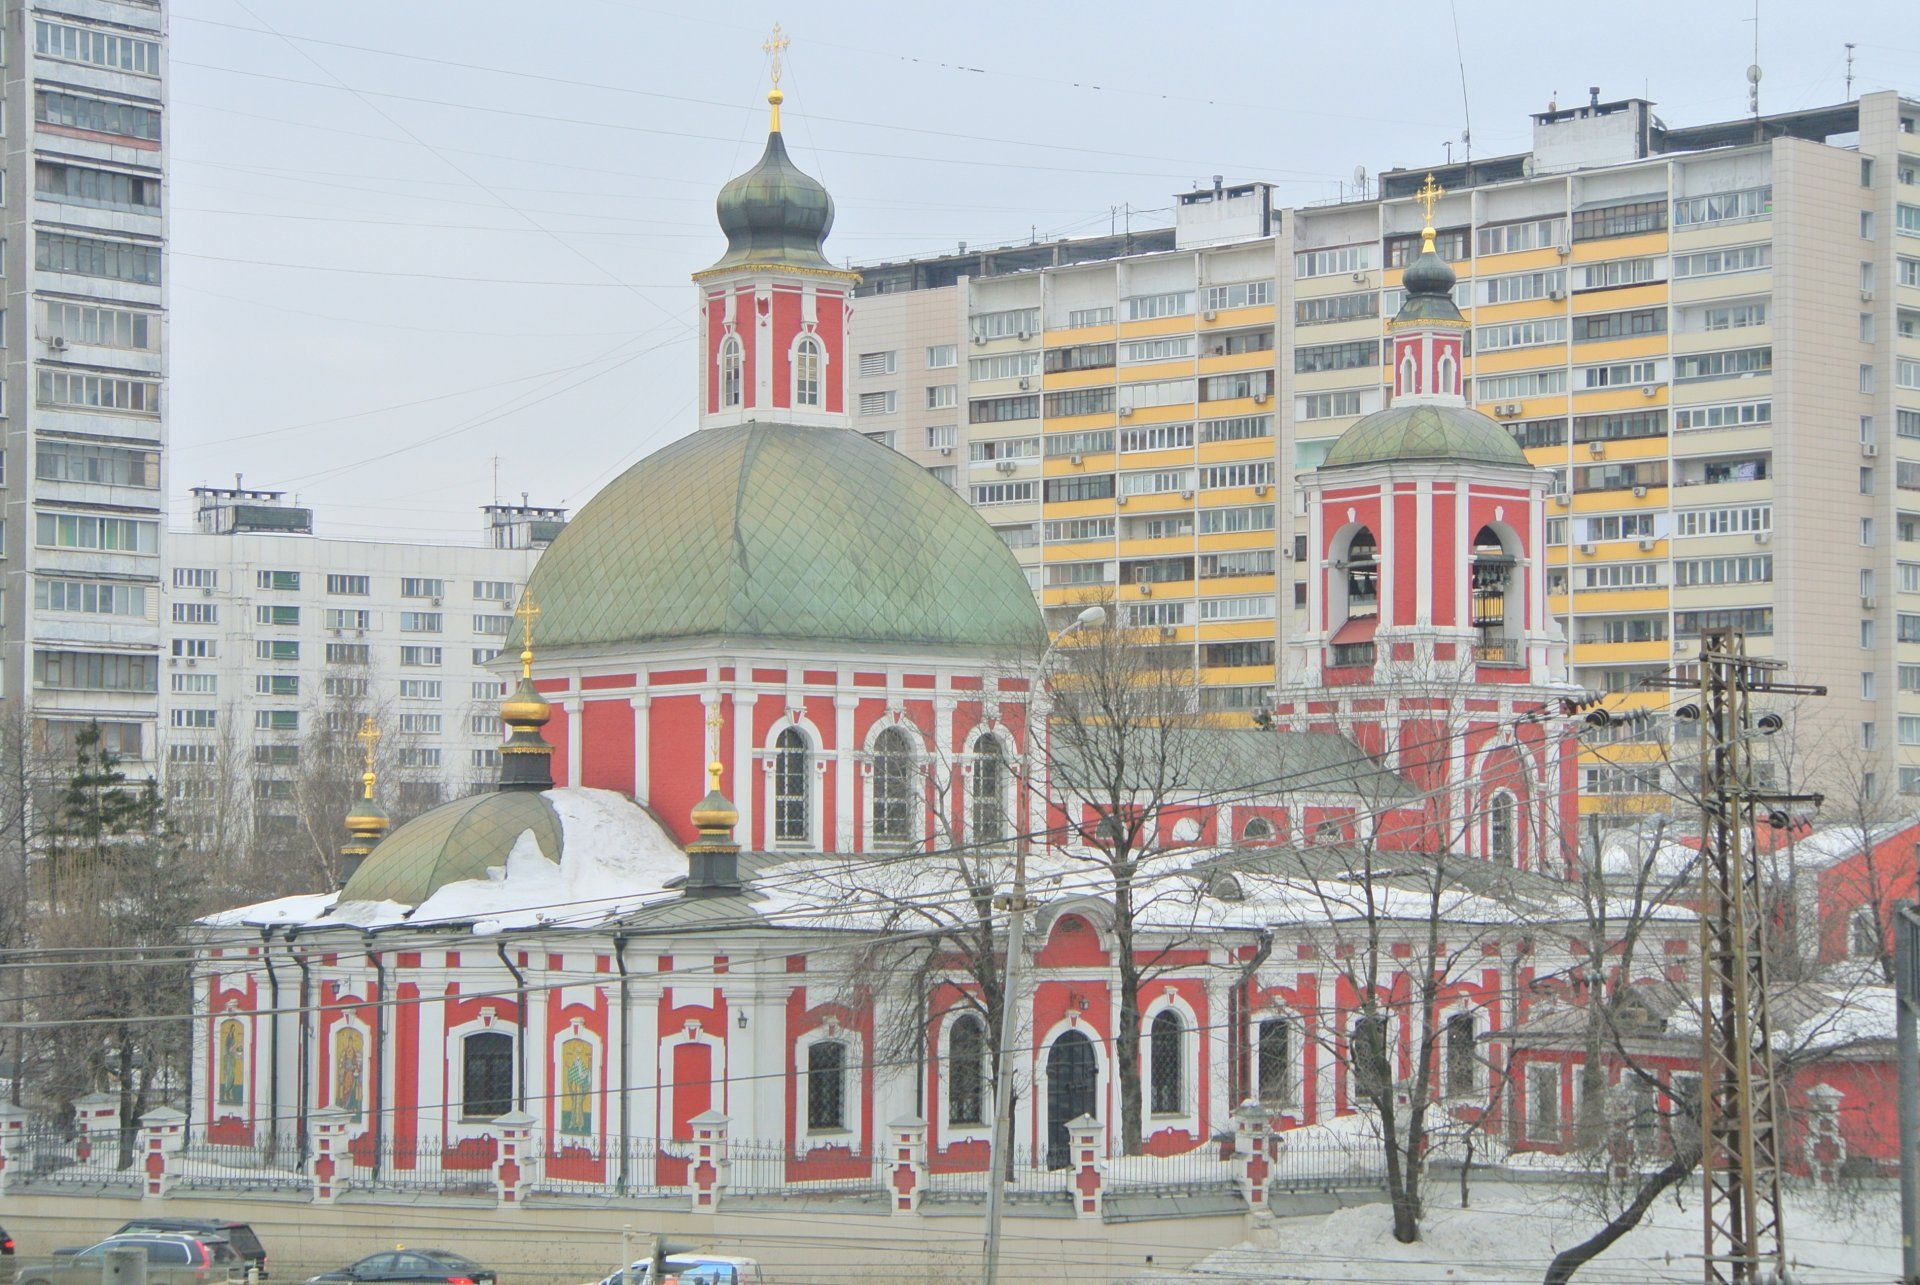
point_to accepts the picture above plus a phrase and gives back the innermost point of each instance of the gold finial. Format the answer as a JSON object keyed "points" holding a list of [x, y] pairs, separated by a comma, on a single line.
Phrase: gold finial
{"points": [[714, 766], [1429, 196], [528, 611], [775, 46], [368, 736]]}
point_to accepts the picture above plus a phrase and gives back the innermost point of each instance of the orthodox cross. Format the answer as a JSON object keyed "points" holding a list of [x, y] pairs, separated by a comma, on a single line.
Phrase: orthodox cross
{"points": [[776, 45], [368, 736], [1429, 196], [528, 611], [714, 720]]}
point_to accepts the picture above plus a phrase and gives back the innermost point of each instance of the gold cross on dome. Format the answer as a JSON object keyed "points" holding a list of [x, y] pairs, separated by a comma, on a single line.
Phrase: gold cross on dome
{"points": [[776, 45], [528, 611], [714, 722], [368, 736], [1429, 196]]}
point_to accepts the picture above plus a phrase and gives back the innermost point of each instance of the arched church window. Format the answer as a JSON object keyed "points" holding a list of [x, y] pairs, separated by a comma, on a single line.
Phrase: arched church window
{"points": [[486, 1075], [1257, 830], [1362, 566], [1500, 828], [792, 788], [966, 1071], [989, 790], [1367, 1057], [827, 1085], [1443, 381], [806, 372], [1409, 373], [893, 801], [731, 371], [1493, 605], [1165, 1067]]}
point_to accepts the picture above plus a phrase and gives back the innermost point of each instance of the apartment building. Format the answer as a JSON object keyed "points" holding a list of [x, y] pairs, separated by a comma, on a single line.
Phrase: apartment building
{"points": [[277, 639], [1710, 333], [82, 470]]}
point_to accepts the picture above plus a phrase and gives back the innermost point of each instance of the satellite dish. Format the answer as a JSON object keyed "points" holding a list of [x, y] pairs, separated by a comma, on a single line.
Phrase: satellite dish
{"points": [[1753, 74], [1526, 168], [1359, 176]]}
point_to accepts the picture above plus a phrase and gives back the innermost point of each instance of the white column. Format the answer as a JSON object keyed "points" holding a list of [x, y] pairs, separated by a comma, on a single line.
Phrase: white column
{"points": [[746, 780], [945, 761], [642, 743], [1462, 559], [1390, 554], [846, 764], [576, 740]]}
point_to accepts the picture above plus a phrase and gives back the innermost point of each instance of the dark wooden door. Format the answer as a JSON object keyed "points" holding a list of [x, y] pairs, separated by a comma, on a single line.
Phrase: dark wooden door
{"points": [[1072, 1081]]}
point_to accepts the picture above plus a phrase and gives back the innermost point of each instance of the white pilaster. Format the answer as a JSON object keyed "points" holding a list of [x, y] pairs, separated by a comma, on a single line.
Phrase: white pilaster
{"points": [[1391, 555], [745, 776], [846, 766], [642, 742], [1423, 553], [576, 740]]}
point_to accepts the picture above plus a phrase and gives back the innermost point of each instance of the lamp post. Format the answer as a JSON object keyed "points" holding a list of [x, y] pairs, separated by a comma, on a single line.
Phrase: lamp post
{"points": [[1001, 1141]]}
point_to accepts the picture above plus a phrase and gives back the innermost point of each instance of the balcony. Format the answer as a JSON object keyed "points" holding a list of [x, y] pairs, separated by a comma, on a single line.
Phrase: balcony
{"points": [[1504, 652]]}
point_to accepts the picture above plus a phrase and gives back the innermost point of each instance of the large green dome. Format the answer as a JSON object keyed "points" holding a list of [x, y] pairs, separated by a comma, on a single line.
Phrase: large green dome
{"points": [[458, 840], [782, 533], [1421, 432]]}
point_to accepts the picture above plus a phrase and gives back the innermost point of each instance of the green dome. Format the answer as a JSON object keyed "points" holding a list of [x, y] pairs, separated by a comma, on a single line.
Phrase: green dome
{"points": [[1401, 434], [775, 213], [459, 840], [779, 532]]}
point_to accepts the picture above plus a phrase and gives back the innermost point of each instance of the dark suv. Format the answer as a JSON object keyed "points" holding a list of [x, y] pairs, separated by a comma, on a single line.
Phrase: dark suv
{"points": [[247, 1245]]}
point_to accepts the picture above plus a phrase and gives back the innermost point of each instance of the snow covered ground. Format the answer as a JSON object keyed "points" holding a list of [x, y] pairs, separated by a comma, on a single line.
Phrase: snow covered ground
{"points": [[1513, 1231]]}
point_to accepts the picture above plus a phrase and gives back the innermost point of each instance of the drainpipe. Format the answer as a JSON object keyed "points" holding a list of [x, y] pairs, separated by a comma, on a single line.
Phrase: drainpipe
{"points": [[273, 1041], [306, 1044], [520, 1044], [626, 1052], [377, 1104]]}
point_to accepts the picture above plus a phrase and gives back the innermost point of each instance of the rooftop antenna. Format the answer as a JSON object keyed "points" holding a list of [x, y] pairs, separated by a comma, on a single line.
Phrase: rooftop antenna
{"points": [[1849, 71], [1466, 112], [1360, 181], [1753, 68]]}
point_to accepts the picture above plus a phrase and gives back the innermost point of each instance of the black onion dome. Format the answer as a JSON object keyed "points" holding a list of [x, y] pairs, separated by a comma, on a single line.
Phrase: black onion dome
{"points": [[775, 213], [1429, 285]]}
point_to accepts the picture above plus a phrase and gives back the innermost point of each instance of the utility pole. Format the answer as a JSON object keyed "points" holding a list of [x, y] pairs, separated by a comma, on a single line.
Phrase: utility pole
{"points": [[1741, 1205], [1906, 1008]]}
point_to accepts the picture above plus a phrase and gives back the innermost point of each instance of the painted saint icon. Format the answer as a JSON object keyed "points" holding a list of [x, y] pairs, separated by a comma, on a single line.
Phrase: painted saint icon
{"points": [[232, 1082], [349, 1070], [576, 1087]]}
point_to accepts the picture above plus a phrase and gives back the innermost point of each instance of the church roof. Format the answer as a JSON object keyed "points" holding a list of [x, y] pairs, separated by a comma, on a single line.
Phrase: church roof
{"points": [[785, 533], [1401, 434], [775, 214]]}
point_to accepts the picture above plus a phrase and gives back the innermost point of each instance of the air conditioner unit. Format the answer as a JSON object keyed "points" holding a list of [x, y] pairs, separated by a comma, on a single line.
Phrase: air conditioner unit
{"points": [[1563, 249], [1639, 492], [1025, 383], [1869, 449], [1587, 549], [1168, 631], [1025, 336], [1076, 459], [436, 602], [1186, 495], [1868, 602], [1260, 489], [1596, 449], [1556, 295], [335, 632], [173, 661], [1562, 501], [1146, 591], [1005, 466], [1259, 399], [1126, 412], [1120, 500], [1646, 544], [1361, 277], [58, 343], [1648, 390], [1866, 296], [1763, 537], [1209, 315], [946, 450], [206, 593]]}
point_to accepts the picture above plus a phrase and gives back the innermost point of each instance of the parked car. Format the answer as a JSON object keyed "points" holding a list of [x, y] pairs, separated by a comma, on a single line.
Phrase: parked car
{"points": [[171, 1260], [433, 1265], [6, 1257], [239, 1235], [693, 1269]]}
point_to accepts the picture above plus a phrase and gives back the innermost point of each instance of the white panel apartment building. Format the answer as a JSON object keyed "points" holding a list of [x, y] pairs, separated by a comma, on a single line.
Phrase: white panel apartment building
{"points": [[271, 628], [1711, 333], [85, 367]]}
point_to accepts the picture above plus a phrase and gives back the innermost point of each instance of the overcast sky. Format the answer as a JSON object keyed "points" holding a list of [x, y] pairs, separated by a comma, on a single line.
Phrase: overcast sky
{"points": [[413, 239]]}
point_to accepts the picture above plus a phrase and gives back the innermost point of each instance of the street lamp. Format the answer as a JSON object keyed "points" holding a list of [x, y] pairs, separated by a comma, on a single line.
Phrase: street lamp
{"points": [[998, 1146]]}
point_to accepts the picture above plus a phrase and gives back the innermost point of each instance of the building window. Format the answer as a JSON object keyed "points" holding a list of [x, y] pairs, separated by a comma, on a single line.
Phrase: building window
{"points": [[86, 256], [893, 802], [486, 1074], [1274, 1070], [792, 788], [989, 790], [1863, 933], [730, 371], [74, 43], [1500, 829], [1461, 1045], [1165, 1055], [966, 1071], [1257, 830], [421, 587], [827, 1085], [943, 357], [1367, 1057], [806, 372], [1543, 1103]]}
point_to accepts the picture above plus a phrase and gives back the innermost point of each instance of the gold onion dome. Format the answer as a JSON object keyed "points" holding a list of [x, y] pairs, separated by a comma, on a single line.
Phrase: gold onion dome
{"points": [[715, 816], [368, 820]]}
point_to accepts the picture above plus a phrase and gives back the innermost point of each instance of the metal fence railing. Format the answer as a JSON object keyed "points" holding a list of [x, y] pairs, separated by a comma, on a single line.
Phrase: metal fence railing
{"points": [[55, 1157], [759, 1169], [263, 1162], [634, 1168], [462, 1167], [1205, 1168], [961, 1179], [1315, 1159]]}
